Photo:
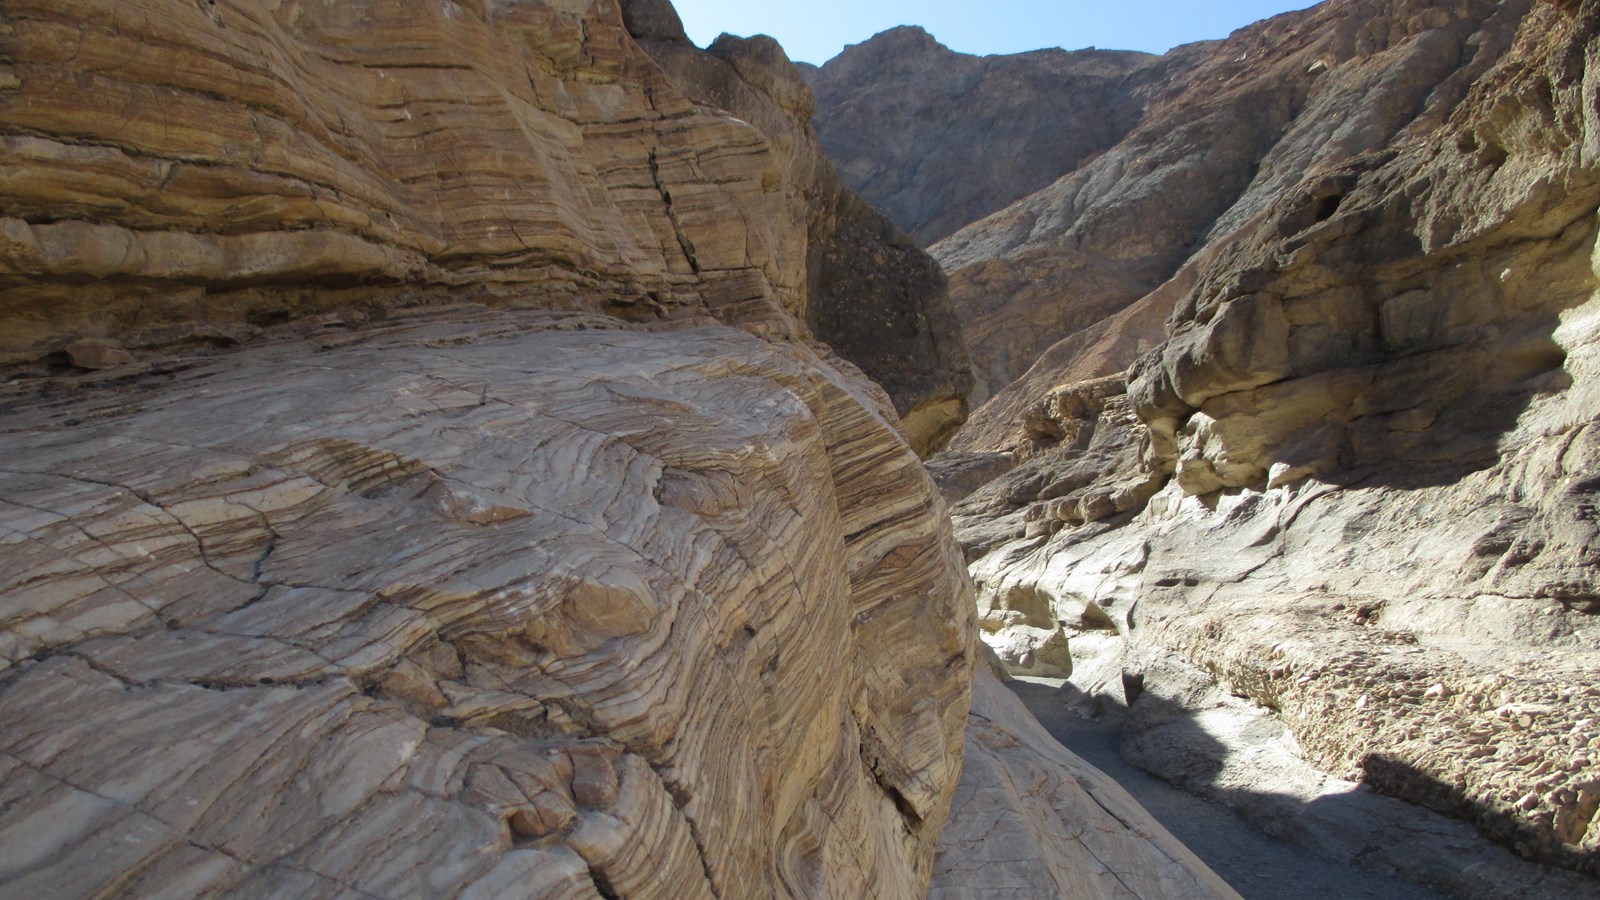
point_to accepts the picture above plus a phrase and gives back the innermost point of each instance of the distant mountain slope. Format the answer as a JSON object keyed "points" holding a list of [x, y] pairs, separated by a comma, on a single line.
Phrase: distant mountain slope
{"points": [[937, 139], [1224, 127]]}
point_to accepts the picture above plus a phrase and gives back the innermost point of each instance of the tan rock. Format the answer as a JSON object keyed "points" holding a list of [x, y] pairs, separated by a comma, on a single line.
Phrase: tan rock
{"points": [[873, 294], [1368, 444], [88, 353], [247, 648], [1151, 162], [172, 172]]}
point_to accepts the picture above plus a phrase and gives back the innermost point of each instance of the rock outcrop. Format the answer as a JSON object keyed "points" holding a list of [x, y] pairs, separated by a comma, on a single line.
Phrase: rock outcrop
{"points": [[462, 605], [1354, 481], [532, 547], [312, 158], [875, 296], [1226, 128], [938, 139]]}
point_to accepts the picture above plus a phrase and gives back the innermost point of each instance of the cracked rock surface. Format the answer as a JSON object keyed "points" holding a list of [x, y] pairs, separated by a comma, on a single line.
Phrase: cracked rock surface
{"points": [[475, 604]]}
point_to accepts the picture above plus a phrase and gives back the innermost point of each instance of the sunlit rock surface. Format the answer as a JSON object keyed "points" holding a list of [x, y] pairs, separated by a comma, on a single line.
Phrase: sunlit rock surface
{"points": [[468, 605], [181, 174], [1355, 481]]}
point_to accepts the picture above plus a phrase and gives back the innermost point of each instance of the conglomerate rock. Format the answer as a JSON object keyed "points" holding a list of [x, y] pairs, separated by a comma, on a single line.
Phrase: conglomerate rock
{"points": [[1357, 477]]}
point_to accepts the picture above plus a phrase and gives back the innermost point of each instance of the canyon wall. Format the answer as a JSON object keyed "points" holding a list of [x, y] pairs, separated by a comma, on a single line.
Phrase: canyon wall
{"points": [[308, 160], [535, 542], [874, 296], [1350, 473]]}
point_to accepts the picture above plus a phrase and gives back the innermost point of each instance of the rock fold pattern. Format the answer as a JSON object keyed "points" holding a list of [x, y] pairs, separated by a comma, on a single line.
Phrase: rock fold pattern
{"points": [[464, 605]]}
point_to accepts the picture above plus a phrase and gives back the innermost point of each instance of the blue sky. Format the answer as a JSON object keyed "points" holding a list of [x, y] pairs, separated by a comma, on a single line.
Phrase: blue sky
{"points": [[815, 31]]}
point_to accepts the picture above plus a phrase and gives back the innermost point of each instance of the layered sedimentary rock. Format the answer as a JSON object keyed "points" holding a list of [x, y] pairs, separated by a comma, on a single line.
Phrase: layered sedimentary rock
{"points": [[477, 604], [938, 139], [875, 297], [1354, 482], [569, 590], [182, 173], [1227, 128]]}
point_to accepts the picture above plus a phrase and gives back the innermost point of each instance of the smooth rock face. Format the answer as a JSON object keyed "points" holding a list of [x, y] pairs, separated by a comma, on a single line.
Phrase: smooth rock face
{"points": [[938, 139], [1354, 483], [1032, 820], [181, 173], [465, 604]]}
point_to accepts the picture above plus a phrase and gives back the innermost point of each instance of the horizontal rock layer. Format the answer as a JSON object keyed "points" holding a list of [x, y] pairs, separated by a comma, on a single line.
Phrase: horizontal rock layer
{"points": [[180, 174], [477, 604]]}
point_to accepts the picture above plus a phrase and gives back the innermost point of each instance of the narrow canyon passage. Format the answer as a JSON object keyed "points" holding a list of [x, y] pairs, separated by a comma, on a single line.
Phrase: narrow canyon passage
{"points": [[1257, 865]]}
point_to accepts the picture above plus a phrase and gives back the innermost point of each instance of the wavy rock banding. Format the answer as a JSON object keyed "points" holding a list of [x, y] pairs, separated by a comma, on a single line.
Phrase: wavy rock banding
{"points": [[536, 543]]}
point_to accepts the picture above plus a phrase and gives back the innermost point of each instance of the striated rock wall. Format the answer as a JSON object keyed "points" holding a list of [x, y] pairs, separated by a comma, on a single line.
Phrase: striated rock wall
{"points": [[307, 158], [478, 604], [875, 296], [1354, 482], [311, 156]]}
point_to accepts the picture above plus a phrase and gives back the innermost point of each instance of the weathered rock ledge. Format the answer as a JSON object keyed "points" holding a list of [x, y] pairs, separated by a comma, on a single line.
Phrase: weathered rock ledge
{"points": [[1355, 483]]}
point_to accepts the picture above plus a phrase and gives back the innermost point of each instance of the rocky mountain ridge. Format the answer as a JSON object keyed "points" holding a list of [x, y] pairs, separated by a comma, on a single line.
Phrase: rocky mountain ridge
{"points": [[937, 139]]}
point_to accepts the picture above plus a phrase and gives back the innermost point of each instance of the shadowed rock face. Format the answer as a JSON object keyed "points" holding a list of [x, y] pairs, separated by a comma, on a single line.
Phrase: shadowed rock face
{"points": [[938, 139], [1353, 480]]}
